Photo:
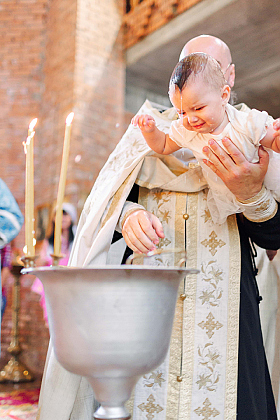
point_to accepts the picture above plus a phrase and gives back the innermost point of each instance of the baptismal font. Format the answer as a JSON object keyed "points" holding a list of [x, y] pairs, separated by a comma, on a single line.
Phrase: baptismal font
{"points": [[111, 324]]}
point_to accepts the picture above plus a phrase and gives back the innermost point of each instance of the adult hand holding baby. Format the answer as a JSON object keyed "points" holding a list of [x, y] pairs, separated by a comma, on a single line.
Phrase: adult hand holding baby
{"points": [[243, 179]]}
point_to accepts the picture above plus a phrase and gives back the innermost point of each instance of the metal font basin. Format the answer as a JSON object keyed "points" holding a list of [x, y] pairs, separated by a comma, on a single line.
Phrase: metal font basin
{"points": [[111, 324]]}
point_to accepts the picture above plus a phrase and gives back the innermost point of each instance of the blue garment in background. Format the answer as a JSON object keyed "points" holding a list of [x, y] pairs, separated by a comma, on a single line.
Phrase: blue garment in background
{"points": [[11, 221], [11, 218]]}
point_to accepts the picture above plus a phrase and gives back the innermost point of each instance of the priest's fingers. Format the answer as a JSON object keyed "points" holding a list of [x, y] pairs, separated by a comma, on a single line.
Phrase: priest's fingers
{"points": [[156, 225], [243, 178], [233, 152], [134, 243], [140, 231], [219, 157]]}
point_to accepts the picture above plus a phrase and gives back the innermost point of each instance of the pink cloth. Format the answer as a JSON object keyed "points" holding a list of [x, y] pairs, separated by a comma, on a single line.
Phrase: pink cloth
{"points": [[37, 287]]}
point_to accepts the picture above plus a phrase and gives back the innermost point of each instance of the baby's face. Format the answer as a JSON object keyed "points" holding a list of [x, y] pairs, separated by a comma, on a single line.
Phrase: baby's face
{"points": [[200, 106]]}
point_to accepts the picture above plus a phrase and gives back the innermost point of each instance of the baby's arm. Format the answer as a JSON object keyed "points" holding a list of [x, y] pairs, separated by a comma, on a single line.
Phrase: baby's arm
{"points": [[272, 137], [156, 139]]}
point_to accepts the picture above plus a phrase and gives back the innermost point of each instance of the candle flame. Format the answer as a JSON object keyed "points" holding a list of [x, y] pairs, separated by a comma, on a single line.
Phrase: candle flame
{"points": [[33, 123], [69, 119]]}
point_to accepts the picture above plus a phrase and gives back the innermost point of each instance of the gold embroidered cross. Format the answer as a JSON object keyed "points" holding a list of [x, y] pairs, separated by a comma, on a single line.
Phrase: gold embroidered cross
{"points": [[213, 243], [150, 407], [210, 325], [164, 242], [206, 411]]}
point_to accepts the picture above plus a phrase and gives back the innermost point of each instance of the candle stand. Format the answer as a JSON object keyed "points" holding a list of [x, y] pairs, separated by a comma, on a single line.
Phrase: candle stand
{"points": [[15, 371], [56, 259]]}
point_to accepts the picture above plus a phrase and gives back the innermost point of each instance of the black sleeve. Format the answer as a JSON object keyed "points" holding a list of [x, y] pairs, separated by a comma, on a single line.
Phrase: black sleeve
{"points": [[264, 234], [134, 193], [133, 196]]}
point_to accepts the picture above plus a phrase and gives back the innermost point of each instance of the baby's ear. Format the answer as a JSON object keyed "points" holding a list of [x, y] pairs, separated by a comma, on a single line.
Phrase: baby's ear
{"points": [[226, 94]]}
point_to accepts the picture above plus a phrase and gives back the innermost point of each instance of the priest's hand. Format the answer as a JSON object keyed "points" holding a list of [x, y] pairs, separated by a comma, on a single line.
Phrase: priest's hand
{"points": [[243, 179], [141, 231]]}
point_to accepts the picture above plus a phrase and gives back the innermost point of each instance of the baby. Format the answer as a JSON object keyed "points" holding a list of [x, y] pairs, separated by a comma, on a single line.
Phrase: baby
{"points": [[200, 95]]}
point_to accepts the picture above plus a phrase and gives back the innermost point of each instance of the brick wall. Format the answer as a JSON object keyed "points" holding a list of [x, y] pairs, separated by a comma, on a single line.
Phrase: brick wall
{"points": [[22, 34], [58, 97], [85, 73], [98, 91], [57, 56]]}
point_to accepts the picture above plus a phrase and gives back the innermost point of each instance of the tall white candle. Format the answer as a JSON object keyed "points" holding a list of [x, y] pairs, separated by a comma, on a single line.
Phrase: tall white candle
{"points": [[29, 190], [61, 185]]}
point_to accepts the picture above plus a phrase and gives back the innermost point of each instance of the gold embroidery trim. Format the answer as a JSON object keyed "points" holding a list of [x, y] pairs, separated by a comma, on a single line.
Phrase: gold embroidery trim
{"points": [[189, 308], [233, 319], [175, 355], [264, 219], [115, 200], [143, 197]]}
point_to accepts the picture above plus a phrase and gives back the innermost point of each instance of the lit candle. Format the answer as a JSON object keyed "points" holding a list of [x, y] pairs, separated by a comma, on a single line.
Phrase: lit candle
{"points": [[61, 185], [29, 190]]}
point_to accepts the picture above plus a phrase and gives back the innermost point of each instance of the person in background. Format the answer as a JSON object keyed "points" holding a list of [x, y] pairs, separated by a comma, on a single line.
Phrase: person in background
{"points": [[69, 220]]}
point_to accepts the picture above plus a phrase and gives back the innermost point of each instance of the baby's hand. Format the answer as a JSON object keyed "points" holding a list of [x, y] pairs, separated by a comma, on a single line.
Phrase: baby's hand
{"points": [[145, 122], [276, 135]]}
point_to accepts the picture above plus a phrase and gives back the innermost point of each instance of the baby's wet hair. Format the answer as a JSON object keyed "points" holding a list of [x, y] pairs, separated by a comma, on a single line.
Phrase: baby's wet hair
{"points": [[197, 64]]}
